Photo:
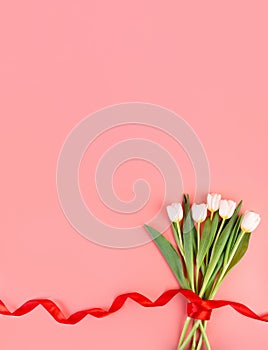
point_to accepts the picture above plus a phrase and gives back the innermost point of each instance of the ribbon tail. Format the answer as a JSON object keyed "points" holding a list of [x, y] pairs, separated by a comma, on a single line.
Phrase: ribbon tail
{"points": [[197, 307]]}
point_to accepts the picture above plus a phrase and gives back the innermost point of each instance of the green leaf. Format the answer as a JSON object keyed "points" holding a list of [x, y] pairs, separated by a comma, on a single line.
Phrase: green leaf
{"points": [[170, 254], [236, 230], [204, 243], [189, 235], [219, 247], [213, 276], [203, 269], [232, 239], [186, 203], [241, 250], [176, 235], [207, 238]]}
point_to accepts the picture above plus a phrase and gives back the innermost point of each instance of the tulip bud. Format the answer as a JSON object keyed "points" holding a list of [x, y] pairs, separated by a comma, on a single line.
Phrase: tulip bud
{"points": [[213, 201], [227, 208], [175, 212], [199, 212], [250, 221]]}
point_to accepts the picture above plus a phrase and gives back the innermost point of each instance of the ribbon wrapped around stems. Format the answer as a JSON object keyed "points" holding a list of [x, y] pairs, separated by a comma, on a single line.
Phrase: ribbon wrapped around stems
{"points": [[197, 308]]}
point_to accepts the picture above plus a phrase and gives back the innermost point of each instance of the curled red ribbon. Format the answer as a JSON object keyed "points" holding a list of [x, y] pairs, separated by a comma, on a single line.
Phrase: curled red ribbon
{"points": [[197, 308]]}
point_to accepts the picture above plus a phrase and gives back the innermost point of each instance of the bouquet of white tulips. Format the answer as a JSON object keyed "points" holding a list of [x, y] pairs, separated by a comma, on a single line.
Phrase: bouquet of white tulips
{"points": [[207, 248]]}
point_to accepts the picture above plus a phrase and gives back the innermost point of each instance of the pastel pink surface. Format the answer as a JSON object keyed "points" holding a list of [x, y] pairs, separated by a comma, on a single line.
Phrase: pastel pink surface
{"points": [[61, 61]]}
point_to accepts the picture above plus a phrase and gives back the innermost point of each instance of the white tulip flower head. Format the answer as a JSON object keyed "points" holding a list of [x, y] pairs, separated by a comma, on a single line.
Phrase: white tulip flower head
{"points": [[227, 208], [175, 212], [199, 212], [213, 201], [250, 221]]}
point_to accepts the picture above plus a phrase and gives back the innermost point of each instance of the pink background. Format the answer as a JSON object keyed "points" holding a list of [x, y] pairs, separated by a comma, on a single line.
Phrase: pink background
{"points": [[61, 61]]}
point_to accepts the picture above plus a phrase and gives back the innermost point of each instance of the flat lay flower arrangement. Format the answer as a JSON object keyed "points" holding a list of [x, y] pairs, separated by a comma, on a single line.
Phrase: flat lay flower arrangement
{"points": [[208, 246], [210, 239]]}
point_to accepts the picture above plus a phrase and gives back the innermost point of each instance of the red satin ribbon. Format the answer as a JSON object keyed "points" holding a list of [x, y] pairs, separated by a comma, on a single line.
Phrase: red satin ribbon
{"points": [[197, 308]]}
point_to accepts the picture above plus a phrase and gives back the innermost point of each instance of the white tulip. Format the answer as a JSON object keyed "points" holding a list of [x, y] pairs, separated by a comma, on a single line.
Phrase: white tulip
{"points": [[213, 201], [227, 208], [250, 221], [199, 212], [175, 212]]}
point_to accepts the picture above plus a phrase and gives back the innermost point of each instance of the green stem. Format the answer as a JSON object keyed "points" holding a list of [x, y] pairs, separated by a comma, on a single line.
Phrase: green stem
{"points": [[194, 341], [204, 286], [178, 239], [206, 259], [196, 278], [197, 268], [184, 330], [191, 333], [198, 235], [227, 252], [200, 342], [217, 237], [199, 324], [225, 267], [204, 335], [180, 235]]}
